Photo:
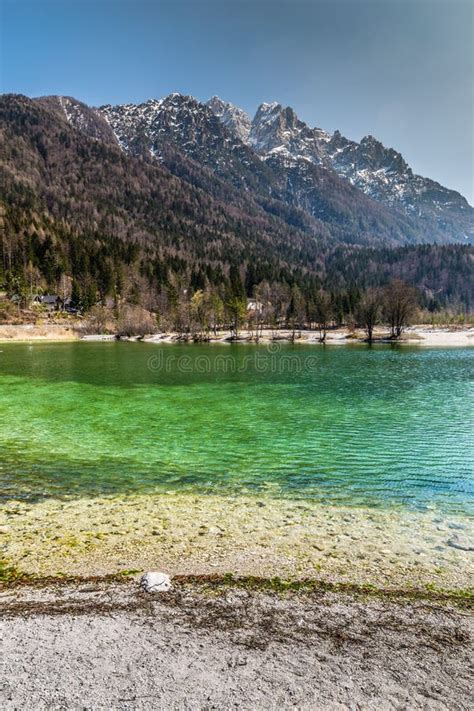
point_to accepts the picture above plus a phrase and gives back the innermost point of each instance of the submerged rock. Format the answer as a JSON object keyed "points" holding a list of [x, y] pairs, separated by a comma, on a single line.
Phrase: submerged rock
{"points": [[154, 581], [462, 543]]}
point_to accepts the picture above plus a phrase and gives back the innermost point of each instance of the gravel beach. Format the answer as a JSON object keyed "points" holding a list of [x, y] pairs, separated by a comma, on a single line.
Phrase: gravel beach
{"points": [[108, 645]]}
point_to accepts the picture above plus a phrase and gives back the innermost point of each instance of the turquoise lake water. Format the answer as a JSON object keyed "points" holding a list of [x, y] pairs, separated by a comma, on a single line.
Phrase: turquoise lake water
{"points": [[349, 425]]}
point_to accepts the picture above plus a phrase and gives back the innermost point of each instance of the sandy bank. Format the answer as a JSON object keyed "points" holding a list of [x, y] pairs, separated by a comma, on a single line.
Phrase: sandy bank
{"points": [[442, 337], [103, 646], [38, 332], [422, 335]]}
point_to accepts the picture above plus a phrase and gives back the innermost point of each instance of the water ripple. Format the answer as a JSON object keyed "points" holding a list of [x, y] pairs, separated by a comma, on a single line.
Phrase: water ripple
{"points": [[366, 427]]}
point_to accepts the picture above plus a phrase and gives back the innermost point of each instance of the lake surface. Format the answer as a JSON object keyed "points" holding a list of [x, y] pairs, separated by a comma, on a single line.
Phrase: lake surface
{"points": [[350, 425]]}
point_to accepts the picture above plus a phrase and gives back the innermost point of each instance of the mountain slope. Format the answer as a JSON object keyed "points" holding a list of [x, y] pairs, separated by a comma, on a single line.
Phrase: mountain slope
{"points": [[379, 172], [53, 174], [76, 205], [293, 191], [233, 118]]}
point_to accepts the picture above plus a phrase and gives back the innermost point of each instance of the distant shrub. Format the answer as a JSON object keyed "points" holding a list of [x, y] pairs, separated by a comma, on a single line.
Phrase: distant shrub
{"points": [[7, 311], [136, 321], [100, 319]]}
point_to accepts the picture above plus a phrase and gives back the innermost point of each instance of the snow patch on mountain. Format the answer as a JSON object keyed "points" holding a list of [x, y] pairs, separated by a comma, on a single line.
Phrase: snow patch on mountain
{"points": [[277, 130], [82, 117], [235, 119]]}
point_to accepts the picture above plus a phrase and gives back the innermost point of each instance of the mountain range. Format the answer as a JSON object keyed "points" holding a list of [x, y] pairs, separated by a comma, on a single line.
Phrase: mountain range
{"points": [[195, 186], [306, 168]]}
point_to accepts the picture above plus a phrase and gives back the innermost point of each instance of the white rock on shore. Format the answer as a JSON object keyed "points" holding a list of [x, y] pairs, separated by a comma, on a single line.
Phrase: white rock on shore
{"points": [[154, 581]]}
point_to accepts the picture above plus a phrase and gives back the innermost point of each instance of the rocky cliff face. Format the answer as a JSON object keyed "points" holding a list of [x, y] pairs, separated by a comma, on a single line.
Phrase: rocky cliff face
{"points": [[236, 120], [379, 172]]}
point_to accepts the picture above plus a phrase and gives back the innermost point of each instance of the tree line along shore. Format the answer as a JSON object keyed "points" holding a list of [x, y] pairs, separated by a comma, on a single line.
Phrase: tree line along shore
{"points": [[275, 311]]}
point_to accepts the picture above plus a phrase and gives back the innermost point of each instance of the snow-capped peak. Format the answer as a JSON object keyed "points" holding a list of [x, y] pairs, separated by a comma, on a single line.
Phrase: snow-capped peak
{"points": [[271, 106], [278, 130], [235, 119]]}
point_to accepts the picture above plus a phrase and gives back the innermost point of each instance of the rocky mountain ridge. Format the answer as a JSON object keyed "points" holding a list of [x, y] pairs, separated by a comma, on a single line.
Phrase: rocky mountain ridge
{"points": [[355, 192], [379, 172]]}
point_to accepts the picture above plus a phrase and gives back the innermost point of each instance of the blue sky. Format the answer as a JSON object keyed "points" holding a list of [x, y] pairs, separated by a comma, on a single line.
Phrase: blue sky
{"points": [[401, 70]]}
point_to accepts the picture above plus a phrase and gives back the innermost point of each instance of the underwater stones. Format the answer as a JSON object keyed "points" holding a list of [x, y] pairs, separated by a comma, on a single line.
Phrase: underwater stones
{"points": [[155, 582], [463, 543]]}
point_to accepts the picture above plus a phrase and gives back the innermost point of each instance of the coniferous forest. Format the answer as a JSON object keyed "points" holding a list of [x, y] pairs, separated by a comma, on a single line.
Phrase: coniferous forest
{"points": [[82, 219]]}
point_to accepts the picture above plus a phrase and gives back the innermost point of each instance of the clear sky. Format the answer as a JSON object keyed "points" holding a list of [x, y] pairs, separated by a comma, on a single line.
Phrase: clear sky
{"points": [[401, 70]]}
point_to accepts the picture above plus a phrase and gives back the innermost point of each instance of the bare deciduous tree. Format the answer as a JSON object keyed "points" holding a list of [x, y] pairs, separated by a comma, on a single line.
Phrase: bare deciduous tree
{"points": [[135, 321], [369, 311], [400, 303], [296, 314], [323, 313]]}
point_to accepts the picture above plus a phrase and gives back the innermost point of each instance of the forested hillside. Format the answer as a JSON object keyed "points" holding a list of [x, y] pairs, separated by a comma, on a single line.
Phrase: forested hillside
{"points": [[82, 216]]}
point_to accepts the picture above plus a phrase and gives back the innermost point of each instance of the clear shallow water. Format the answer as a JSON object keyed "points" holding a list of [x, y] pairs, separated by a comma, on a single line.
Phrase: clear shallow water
{"points": [[344, 425]]}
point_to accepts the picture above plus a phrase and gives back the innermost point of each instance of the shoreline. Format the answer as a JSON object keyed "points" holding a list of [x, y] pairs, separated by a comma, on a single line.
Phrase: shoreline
{"points": [[33, 589], [191, 534], [418, 335]]}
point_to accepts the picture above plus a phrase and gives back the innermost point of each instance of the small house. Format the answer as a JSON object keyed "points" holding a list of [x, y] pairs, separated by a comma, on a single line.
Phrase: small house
{"points": [[52, 302]]}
